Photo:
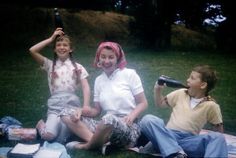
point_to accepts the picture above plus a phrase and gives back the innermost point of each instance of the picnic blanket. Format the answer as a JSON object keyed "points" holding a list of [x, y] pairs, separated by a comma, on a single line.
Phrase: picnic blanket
{"points": [[46, 145], [231, 143], [230, 140]]}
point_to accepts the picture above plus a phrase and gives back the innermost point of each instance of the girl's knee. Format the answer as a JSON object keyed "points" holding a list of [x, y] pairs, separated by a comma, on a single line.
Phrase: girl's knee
{"points": [[65, 119], [48, 136]]}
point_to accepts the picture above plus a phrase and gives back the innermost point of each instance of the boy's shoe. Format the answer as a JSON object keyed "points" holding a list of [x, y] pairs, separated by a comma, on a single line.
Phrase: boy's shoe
{"points": [[180, 155], [108, 148]]}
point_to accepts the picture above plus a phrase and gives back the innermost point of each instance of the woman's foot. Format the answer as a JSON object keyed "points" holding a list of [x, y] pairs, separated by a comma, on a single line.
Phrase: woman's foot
{"points": [[76, 145]]}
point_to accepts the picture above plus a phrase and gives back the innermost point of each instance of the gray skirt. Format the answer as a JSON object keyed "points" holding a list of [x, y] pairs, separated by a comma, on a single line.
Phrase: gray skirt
{"points": [[60, 103]]}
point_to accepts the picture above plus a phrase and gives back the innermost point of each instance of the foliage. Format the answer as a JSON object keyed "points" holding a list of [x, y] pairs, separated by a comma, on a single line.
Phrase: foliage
{"points": [[90, 27], [186, 39]]}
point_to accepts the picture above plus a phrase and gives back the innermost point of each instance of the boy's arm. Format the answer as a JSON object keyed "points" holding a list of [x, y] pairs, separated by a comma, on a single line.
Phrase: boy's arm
{"points": [[219, 128], [159, 99]]}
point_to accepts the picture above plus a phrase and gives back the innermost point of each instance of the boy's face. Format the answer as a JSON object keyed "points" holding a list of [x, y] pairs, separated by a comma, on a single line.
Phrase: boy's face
{"points": [[195, 84]]}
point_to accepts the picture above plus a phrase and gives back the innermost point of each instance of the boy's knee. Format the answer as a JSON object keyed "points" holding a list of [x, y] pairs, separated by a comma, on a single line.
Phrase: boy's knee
{"points": [[218, 136], [150, 119]]}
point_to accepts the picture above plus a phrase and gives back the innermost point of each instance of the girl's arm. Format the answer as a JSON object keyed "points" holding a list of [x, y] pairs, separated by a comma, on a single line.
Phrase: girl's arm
{"points": [[36, 49], [86, 92], [159, 99], [142, 104]]}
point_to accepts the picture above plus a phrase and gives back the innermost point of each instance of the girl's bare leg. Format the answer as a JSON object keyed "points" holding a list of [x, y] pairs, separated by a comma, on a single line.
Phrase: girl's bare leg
{"points": [[41, 127]]}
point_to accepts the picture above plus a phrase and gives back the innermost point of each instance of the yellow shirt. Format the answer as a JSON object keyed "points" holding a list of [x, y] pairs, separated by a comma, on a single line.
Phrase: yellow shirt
{"points": [[184, 118]]}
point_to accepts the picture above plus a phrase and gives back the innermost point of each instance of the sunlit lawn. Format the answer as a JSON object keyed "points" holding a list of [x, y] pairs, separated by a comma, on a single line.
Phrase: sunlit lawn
{"points": [[24, 89]]}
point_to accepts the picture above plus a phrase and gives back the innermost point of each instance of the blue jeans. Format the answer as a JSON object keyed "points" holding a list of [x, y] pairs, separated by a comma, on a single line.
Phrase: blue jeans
{"points": [[169, 141]]}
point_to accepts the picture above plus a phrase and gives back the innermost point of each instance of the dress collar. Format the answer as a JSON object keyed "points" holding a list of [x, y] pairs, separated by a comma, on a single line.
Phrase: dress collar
{"points": [[66, 62], [112, 74]]}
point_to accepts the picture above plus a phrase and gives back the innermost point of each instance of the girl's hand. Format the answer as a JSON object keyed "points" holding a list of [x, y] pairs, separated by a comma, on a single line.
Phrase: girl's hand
{"points": [[86, 110], [57, 32], [76, 116]]}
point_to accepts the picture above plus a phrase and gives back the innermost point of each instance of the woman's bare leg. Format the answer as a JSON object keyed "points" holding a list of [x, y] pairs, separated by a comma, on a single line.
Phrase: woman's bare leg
{"points": [[78, 128], [99, 138]]}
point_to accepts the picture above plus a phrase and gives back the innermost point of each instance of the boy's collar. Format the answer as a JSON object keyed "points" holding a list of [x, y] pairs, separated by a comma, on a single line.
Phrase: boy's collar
{"points": [[206, 98]]}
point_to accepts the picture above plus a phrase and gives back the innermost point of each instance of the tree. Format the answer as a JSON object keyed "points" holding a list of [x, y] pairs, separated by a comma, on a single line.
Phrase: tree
{"points": [[226, 33], [153, 21]]}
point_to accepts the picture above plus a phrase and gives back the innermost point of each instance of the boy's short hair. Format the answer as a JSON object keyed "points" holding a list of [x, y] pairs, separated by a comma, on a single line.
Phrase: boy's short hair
{"points": [[208, 75]]}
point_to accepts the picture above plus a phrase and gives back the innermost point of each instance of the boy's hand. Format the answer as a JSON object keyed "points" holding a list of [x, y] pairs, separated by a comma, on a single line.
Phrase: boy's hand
{"points": [[157, 86]]}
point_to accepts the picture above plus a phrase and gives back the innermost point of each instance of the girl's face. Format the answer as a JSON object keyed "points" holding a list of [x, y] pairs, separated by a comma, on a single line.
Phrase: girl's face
{"points": [[108, 61], [195, 84], [62, 49]]}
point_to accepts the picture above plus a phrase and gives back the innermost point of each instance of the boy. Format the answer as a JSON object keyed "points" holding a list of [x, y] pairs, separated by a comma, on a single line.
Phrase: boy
{"points": [[192, 108]]}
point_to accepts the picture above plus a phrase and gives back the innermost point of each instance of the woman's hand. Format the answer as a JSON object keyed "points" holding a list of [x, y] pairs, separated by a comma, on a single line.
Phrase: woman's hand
{"points": [[128, 120], [76, 116]]}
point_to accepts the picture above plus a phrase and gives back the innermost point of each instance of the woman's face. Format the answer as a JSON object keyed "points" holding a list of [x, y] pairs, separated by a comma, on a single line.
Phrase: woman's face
{"points": [[108, 61]]}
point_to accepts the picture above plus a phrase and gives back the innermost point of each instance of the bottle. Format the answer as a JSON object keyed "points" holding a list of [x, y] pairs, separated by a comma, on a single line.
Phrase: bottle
{"points": [[58, 19], [170, 82]]}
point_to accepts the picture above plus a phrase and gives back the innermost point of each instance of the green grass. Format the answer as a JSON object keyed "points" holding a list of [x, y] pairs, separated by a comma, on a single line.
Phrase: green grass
{"points": [[24, 89]]}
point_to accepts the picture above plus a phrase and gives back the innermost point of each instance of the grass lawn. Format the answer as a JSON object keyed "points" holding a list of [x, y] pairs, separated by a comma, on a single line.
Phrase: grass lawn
{"points": [[24, 89]]}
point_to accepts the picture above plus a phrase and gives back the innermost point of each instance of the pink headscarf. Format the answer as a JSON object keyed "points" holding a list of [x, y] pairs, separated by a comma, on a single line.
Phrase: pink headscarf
{"points": [[121, 61]]}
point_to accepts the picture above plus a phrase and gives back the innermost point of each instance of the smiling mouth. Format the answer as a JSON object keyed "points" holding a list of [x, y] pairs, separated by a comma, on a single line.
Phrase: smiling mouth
{"points": [[107, 65]]}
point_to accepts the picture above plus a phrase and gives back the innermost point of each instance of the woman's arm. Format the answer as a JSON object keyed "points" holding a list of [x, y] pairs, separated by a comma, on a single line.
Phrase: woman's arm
{"points": [[142, 104]]}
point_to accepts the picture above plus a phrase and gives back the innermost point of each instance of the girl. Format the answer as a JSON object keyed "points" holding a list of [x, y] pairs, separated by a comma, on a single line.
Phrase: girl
{"points": [[64, 78]]}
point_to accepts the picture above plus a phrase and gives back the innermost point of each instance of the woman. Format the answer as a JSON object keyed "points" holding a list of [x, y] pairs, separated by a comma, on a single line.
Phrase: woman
{"points": [[119, 95]]}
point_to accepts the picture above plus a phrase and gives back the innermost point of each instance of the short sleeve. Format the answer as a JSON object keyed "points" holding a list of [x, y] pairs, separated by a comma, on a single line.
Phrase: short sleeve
{"points": [[172, 98], [135, 82], [84, 72], [46, 64], [214, 114], [96, 91]]}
